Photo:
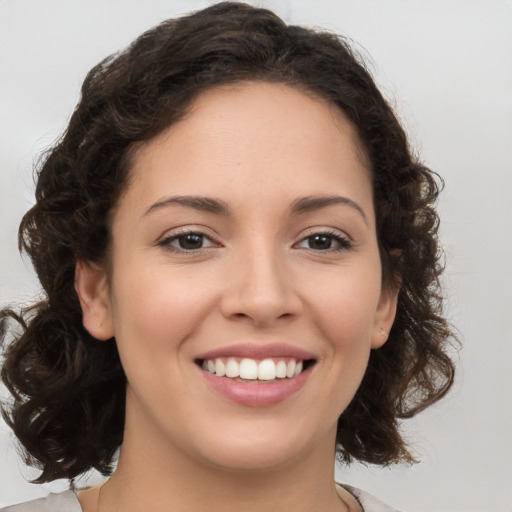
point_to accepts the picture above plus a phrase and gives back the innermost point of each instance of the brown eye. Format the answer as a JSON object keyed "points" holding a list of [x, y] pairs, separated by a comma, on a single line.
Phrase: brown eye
{"points": [[320, 242], [190, 242], [187, 242], [325, 242]]}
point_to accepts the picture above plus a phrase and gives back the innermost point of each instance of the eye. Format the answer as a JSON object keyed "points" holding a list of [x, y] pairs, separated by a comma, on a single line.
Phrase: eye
{"points": [[187, 242], [325, 242]]}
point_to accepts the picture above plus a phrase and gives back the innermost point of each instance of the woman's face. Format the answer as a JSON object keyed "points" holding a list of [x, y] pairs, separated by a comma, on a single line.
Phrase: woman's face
{"points": [[246, 234]]}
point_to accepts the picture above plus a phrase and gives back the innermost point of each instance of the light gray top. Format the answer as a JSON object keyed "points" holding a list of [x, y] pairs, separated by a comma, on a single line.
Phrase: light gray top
{"points": [[68, 502], [62, 502]]}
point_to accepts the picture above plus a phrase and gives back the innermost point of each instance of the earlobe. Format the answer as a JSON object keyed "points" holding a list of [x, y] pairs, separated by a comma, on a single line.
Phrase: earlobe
{"points": [[385, 316], [92, 289]]}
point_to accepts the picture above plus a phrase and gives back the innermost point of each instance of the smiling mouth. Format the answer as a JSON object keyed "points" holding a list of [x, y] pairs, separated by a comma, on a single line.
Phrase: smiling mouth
{"points": [[255, 370]]}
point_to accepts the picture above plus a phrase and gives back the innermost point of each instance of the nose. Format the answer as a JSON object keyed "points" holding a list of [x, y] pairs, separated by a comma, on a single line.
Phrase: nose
{"points": [[259, 289]]}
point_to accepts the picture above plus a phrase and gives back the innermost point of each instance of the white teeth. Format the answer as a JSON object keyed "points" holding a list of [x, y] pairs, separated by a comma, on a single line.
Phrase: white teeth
{"points": [[232, 368], [248, 369], [290, 369], [251, 369], [267, 370], [220, 368], [281, 370]]}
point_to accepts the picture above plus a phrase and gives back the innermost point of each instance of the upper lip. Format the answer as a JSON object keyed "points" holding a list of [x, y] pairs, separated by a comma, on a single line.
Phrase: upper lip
{"points": [[255, 351]]}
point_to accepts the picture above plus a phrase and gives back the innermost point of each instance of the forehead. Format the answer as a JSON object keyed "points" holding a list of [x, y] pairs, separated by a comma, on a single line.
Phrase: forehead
{"points": [[262, 134]]}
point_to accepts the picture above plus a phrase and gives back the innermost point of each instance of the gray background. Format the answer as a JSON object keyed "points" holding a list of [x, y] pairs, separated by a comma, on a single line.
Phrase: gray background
{"points": [[446, 65]]}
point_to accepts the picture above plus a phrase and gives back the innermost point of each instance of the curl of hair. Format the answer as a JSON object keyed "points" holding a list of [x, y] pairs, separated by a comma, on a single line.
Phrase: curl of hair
{"points": [[69, 389]]}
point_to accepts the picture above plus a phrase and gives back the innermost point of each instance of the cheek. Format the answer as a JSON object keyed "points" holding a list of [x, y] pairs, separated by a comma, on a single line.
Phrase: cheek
{"points": [[150, 312], [345, 307]]}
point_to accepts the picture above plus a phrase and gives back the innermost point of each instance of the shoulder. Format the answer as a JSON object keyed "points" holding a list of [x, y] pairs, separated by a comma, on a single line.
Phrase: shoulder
{"points": [[62, 502], [368, 502]]}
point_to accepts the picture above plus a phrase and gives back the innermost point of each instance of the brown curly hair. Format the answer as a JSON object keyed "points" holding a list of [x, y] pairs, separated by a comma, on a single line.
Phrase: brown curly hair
{"points": [[57, 372]]}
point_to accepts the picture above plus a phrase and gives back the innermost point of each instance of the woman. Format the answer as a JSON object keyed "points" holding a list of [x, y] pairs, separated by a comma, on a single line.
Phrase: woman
{"points": [[241, 265]]}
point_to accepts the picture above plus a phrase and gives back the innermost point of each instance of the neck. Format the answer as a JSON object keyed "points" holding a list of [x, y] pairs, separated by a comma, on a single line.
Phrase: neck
{"points": [[151, 477]]}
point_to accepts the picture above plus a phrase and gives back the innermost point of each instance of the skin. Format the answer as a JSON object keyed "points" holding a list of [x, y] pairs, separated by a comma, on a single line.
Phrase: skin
{"points": [[259, 277]]}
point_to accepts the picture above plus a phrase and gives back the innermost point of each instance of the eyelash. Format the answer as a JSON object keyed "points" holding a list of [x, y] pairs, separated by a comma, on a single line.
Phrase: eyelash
{"points": [[166, 242], [344, 243]]}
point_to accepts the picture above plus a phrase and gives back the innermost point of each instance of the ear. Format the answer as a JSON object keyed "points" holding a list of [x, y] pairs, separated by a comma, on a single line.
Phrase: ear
{"points": [[385, 315], [91, 287]]}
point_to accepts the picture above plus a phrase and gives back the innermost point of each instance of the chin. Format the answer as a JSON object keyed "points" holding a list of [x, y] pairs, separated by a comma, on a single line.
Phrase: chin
{"points": [[260, 449], [251, 460]]}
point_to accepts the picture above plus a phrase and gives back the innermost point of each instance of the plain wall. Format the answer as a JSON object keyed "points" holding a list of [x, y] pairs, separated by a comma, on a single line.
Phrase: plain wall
{"points": [[446, 66]]}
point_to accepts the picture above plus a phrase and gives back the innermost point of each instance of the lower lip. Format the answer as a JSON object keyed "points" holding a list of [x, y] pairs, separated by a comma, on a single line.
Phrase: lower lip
{"points": [[255, 394]]}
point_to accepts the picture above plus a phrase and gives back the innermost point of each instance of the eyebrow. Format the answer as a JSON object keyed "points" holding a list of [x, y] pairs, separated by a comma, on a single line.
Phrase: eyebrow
{"points": [[219, 207], [310, 203], [205, 204]]}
